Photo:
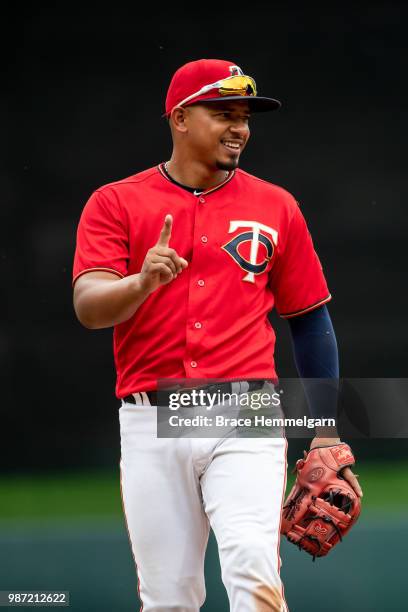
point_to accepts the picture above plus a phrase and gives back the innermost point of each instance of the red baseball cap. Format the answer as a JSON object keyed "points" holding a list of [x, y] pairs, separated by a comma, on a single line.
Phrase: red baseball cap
{"points": [[213, 80]]}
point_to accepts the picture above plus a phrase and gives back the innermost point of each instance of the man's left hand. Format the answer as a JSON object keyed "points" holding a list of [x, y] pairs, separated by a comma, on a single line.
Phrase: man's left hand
{"points": [[346, 472]]}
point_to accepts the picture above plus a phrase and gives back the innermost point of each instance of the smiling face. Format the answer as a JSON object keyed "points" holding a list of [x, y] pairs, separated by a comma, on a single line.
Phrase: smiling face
{"points": [[215, 133]]}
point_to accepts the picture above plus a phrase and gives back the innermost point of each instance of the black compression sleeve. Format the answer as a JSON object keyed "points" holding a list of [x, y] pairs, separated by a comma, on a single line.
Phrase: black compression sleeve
{"points": [[316, 357]]}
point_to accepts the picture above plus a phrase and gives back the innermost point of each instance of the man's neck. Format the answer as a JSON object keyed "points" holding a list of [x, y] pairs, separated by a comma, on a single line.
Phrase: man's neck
{"points": [[193, 173]]}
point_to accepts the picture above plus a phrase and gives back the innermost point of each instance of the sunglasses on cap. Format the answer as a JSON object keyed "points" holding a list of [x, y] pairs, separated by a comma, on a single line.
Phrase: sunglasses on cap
{"points": [[234, 85]]}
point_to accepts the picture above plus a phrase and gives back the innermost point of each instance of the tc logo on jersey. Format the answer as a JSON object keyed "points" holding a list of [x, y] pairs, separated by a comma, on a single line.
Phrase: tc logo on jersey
{"points": [[251, 266]]}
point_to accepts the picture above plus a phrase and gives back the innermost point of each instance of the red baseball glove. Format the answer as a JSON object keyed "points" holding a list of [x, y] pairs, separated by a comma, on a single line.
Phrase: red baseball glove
{"points": [[321, 507]]}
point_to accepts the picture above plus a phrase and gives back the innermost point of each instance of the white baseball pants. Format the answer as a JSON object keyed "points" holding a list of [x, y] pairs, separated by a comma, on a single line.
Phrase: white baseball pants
{"points": [[174, 489]]}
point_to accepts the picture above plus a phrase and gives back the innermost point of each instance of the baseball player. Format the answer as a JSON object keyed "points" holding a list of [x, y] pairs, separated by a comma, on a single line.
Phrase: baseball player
{"points": [[185, 260]]}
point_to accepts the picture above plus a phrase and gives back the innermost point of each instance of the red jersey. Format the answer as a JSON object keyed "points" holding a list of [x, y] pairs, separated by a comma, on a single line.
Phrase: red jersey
{"points": [[248, 249]]}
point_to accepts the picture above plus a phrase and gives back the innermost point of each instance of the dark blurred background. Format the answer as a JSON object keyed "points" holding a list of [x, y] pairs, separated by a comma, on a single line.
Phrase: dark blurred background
{"points": [[83, 96]]}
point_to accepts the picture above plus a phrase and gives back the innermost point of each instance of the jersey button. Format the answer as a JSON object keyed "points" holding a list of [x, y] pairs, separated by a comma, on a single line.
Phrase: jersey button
{"points": [[200, 283], [193, 364], [197, 325], [204, 239], [202, 200]]}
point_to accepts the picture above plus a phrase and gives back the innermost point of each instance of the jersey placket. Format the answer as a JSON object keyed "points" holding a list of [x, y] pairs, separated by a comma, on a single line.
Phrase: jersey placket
{"points": [[198, 295]]}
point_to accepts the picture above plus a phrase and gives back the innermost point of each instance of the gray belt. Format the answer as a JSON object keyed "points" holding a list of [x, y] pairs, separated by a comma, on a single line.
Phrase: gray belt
{"points": [[153, 398]]}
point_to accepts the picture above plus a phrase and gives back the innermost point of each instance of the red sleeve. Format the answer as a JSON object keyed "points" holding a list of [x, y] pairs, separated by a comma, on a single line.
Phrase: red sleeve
{"points": [[297, 278], [102, 238]]}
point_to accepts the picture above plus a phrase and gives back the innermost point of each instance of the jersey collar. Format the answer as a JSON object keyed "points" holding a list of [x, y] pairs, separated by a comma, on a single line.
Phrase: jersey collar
{"points": [[192, 190]]}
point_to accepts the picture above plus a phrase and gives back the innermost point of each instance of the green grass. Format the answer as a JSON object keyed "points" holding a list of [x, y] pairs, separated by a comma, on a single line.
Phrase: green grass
{"points": [[385, 487], [60, 496]]}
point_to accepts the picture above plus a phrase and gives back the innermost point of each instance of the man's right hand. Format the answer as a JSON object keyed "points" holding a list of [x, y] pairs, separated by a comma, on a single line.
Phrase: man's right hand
{"points": [[162, 264], [102, 299]]}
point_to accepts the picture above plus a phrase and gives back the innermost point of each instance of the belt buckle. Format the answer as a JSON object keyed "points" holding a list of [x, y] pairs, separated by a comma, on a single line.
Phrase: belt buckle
{"points": [[189, 390]]}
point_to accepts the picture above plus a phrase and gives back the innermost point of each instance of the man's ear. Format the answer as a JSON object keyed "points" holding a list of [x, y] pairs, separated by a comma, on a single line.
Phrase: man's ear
{"points": [[178, 118]]}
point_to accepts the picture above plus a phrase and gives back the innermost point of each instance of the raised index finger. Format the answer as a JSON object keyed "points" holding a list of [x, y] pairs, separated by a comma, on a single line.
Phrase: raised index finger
{"points": [[165, 233]]}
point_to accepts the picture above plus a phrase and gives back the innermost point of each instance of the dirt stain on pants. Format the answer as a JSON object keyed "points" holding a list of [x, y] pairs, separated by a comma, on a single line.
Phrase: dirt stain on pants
{"points": [[269, 599]]}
